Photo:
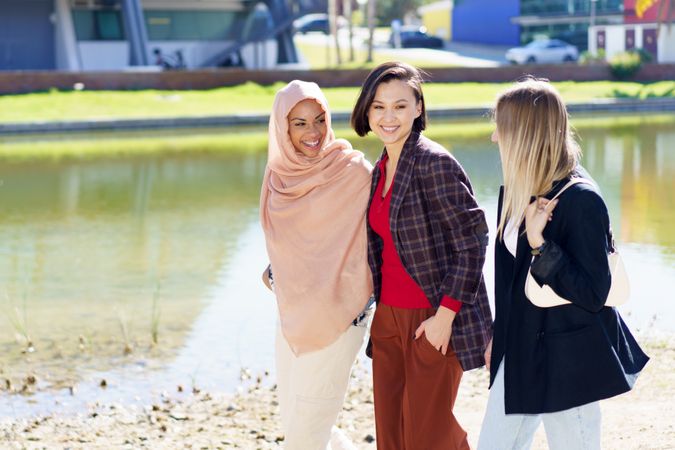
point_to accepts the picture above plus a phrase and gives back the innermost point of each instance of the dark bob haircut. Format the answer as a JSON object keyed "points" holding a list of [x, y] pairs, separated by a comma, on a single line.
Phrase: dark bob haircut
{"points": [[384, 73]]}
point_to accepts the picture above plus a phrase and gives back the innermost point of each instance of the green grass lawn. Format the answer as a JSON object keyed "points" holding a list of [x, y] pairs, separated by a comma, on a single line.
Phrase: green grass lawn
{"points": [[253, 98]]}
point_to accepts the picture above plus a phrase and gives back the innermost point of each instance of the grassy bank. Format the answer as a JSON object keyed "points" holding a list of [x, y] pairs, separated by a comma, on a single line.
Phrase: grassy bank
{"points": [[252, 140], [111, 145], [253, 98]]}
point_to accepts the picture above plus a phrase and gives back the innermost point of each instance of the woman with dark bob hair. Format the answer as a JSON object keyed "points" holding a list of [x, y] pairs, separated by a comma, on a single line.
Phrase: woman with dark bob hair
{"points": [[426, 248]]}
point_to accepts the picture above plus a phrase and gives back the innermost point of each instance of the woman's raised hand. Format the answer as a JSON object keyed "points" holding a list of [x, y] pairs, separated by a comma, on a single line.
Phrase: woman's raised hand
{"points": [[537, 214]]}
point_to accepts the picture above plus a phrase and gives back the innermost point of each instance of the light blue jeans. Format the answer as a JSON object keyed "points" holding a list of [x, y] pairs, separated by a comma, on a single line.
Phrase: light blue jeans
{"points": [[573, 429]]}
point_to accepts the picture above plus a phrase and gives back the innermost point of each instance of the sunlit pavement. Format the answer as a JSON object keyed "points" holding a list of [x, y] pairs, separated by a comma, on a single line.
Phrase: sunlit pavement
{"points": [[459, 54]]}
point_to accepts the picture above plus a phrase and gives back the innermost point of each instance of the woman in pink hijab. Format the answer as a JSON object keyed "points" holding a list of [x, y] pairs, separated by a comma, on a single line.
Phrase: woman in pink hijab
{"points": [[312, 209]]}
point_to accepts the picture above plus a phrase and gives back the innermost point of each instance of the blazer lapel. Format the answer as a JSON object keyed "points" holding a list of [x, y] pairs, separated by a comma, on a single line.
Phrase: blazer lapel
{"points": [[523, 255], [404, 171], [522, 246], [375, 179], [500, 246]]}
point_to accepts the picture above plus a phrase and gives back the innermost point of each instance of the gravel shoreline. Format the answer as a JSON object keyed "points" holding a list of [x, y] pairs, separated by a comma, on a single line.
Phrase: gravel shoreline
{"points": [[641, 419]]}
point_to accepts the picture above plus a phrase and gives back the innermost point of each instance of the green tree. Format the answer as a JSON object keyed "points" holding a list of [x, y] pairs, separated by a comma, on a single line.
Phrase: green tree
{"points": [[388, 10]]}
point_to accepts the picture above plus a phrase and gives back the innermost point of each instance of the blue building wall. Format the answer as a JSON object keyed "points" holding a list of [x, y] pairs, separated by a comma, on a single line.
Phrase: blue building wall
{"points": [[26, 35], [486, 22]]}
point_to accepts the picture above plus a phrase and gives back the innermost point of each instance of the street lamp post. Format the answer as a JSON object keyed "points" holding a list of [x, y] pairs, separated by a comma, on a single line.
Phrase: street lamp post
{"points": [[591, 26], [371, 29], [369, 6]]}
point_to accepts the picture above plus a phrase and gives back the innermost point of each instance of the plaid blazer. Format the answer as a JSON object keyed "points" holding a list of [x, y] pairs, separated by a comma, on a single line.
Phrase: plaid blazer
{"points": [[441, 236]]}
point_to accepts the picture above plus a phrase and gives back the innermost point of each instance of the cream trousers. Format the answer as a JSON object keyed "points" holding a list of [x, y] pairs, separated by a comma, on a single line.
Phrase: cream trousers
{"points": [[312, 389]]}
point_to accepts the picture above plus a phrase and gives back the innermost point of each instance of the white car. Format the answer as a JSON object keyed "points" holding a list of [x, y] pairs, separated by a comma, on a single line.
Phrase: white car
{"points": [[543, 51]]}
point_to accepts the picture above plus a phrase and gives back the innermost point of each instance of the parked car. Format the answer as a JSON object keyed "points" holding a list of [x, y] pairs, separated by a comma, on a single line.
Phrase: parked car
{"points": [[543, 51], [316, 23], [415, 37]]}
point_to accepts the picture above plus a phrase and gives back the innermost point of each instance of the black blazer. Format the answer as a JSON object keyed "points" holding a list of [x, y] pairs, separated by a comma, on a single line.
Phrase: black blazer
{"points": [[569, 355]]}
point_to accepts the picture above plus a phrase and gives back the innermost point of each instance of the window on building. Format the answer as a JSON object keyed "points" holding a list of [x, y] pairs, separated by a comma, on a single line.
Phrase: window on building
{"points": [[568, 7], [192, 25], [98, 25], [109, 25]]}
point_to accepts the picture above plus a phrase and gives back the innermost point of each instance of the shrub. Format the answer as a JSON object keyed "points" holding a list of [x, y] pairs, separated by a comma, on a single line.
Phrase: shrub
{"points": [[645, 56], [588, 58], [625, 65]]}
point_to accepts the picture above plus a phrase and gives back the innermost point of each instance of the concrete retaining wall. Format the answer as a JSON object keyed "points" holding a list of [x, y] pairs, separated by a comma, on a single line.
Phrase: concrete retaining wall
{"points": [[23, 82]]}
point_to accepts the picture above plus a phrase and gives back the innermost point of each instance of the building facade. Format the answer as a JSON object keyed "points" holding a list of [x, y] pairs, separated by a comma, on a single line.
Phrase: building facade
{"points": [[436, 17], [517, 22], [486, 22], [567, 20], [634, 33], [78, 35]]}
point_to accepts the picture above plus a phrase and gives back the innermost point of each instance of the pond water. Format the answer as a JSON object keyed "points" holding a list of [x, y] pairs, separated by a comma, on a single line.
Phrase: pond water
{"points": [[98, 257]]}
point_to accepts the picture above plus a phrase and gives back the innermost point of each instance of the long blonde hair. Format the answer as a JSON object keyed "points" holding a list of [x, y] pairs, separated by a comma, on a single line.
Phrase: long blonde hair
{"points": [[536, 144]]}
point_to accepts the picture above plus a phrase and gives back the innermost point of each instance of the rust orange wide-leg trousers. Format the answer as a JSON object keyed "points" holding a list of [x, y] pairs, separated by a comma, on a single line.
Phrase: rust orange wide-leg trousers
{"points": [[414, 385]]}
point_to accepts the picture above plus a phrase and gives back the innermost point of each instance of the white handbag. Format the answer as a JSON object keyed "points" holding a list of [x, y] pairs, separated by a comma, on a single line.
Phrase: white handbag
{"points": [[545, 297]]}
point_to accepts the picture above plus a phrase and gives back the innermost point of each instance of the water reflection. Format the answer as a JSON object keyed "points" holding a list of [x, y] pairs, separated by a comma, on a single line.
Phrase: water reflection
{"points": [[83, 247]]}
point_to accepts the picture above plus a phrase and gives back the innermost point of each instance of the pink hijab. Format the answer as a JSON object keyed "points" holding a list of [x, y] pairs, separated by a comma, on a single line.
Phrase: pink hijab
{"points": [[313, 213]]}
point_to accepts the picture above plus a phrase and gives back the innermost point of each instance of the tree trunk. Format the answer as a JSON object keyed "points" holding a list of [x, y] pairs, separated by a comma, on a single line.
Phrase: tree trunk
{"points": [[332, 18], [347, 8], [371, 29]]}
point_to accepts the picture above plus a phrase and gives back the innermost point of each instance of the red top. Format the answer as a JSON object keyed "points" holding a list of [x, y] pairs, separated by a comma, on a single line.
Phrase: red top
{"points": [[398, 287]]}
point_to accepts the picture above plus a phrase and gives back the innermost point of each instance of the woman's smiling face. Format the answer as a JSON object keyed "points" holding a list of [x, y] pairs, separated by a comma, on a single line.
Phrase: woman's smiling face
{"points": [[393, 111], [307, 127]]}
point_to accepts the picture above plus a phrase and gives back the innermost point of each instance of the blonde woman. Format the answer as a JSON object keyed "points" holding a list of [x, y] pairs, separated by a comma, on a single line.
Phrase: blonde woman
{"points": [[312, 210], [550, 364]]}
